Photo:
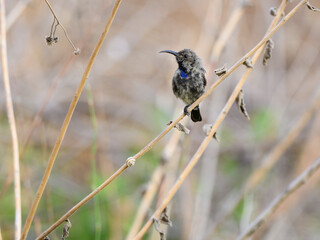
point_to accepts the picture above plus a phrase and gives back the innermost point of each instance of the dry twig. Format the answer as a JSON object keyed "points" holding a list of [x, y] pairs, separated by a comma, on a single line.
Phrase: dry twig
{"points": [[274, 155], [219, 120], [12, 122], [162, 134], [293, 186], [52, 38], [66, 124]]}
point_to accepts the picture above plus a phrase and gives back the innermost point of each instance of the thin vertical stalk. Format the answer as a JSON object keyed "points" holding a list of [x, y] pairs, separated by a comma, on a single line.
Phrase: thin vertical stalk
{"points": [[12, 123], [66, 122]]}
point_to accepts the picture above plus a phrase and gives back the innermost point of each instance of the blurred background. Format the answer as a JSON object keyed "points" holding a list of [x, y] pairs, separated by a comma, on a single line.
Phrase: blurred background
{"points": [[128, 101]]}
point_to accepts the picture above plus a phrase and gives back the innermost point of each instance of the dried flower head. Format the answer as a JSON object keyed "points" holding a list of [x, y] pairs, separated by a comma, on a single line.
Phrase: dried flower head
{"points": [[49, 40]]}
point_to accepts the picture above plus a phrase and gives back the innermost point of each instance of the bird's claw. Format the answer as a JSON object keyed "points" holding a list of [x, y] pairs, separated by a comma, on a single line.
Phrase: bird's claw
{"points": [[185, 110]]}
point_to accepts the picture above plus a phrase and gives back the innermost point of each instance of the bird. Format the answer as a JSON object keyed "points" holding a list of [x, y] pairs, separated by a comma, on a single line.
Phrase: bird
{"points": [[189, 81]]}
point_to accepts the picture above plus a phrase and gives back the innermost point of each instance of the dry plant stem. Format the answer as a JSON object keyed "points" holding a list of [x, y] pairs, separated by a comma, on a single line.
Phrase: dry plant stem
{"points": [[146, 202], [82, 202], [271, 159], [162, 134], [154, 184], [192, 162], [214, 128], [277, 152], [217, 49], [293, 186], [12, 123], [66, 124], [227, 30], [37, 118], [214, 85], [16, 12], [59, 23]]}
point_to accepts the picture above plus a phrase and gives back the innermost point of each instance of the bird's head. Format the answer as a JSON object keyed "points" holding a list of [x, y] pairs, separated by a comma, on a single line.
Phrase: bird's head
{"points": [[186, 59]]}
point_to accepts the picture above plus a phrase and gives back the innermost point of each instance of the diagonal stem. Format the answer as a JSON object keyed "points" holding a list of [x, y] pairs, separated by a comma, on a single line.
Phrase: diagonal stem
{"points": [[65, 124], [164, 132], [215, 126]]}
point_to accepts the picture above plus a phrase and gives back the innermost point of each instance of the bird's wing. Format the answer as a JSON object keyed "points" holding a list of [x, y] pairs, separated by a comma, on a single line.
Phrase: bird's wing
{"points": [[204, 80]]}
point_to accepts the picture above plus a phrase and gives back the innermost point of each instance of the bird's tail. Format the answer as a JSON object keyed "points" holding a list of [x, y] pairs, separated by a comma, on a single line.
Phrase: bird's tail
{"points": [[195, 114]]}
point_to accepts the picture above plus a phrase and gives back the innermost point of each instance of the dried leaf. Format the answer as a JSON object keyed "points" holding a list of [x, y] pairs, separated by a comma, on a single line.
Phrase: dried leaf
{"points": [[182, 128], [241, 104], [267, 52], [164, 218], [248, 63], [207, 128], [66, 228], [220, 71], [157, 227], [312, 8]]}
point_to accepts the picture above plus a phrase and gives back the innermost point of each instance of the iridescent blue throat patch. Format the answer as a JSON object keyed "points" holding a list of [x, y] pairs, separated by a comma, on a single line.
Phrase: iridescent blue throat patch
{"points": [[183, 74]]}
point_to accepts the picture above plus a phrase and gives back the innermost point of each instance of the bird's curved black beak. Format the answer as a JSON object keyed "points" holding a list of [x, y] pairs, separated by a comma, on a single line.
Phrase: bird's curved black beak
{"points": [[169, 51]]}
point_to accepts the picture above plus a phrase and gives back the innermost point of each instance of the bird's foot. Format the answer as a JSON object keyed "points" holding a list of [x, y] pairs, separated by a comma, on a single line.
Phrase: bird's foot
{"points": [[185, 110]]}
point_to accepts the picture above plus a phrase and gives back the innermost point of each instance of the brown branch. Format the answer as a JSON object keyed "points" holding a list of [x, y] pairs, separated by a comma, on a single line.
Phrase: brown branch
{"points": [[215, 126], [272, 158], [293, 186], [131, 160], [66, 124], [76, 50], [154, 183], [81, 203], [12, 123]]}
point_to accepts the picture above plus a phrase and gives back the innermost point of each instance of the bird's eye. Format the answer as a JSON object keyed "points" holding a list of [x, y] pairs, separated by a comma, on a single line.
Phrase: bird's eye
{"points": [[185, 56]]}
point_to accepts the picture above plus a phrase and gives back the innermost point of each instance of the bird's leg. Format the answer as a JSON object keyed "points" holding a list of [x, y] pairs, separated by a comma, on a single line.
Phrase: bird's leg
{"points": [[185, 110]]}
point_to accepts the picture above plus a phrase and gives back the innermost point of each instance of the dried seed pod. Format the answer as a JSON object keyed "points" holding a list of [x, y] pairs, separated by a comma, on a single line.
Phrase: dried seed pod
{"points": [[241, 104], [207, 128], [220, 71], [267, 52], [164, 218], [312, 8], [248, 63], [273, 11], [66, 228], [182, 128], [157, 227], [169, 123]]}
